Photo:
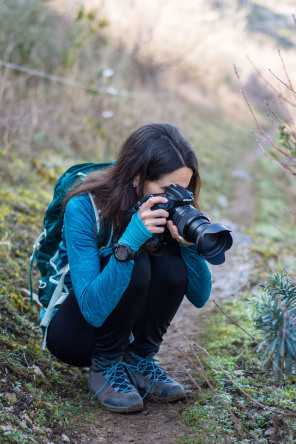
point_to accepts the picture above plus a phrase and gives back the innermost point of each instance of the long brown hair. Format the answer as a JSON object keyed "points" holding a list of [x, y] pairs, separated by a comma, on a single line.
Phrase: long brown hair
{"points": [[150, 152]]}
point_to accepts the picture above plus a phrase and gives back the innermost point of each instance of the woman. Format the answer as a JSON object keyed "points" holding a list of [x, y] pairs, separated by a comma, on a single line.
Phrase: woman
{"points": [[122, 300]]}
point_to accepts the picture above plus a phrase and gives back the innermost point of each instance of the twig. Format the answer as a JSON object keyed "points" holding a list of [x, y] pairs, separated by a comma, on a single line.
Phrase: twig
{"points": [[285, 168], [290, 212], [3, 83], [274, 114], [35, 296], [202, 371], [283, 413], [3, 241], [205, 429], [291, 89], [254, 339], [256, 120], [270, 85], [286, 72], [205, 400]]}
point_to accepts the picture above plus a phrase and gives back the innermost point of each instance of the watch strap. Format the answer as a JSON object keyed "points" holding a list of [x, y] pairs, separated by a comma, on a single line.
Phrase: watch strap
{"points": [[130, 254]]}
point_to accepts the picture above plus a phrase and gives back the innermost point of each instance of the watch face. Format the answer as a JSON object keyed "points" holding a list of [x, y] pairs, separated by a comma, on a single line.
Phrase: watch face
{"points": [[121, 252]]}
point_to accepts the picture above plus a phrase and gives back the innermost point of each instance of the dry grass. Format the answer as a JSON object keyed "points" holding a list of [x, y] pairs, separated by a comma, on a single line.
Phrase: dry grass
{"points": [[199, 40]]}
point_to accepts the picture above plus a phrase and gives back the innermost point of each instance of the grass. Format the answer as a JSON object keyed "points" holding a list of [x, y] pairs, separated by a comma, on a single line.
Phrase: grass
{"points": [[236, 354], [48, 127], [40, 397]]}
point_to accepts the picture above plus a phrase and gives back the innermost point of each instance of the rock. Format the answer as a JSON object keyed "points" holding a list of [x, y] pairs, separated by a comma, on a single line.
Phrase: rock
{"points": [[27, 419], [7, 428], [23, 424], [222, 201], [43, 439], [269, 431], [10, 396], [37, 371], [65, 438], [239, 372]]}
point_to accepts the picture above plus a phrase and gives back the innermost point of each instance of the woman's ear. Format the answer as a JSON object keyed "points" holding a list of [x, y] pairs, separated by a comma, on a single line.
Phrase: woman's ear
{"points": [[136, 181]]}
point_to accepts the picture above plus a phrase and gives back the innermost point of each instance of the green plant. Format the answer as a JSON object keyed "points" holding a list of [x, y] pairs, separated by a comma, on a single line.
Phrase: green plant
{"points": [[274, 314]]}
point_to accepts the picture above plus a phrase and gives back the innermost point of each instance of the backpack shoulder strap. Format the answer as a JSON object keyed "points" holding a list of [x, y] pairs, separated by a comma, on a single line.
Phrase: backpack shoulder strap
{"points": [[104, 231], [97, 212]]}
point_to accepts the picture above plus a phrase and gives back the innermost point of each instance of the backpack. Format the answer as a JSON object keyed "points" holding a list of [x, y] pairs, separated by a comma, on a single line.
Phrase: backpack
{"points": [[53, 267]]}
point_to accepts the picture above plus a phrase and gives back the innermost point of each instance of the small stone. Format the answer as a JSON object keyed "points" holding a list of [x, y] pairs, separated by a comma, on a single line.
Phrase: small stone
{"points": [[239, 372], [7, 428], [27, 419], [107, 72], [37, 371], [23, 424], [10, 396], [269, 431], [65, 438], [37, 428], [222, 201]]}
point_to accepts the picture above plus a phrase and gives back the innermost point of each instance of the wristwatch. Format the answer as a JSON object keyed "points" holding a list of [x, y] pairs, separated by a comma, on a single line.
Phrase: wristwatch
{"points": [[123, 253]]}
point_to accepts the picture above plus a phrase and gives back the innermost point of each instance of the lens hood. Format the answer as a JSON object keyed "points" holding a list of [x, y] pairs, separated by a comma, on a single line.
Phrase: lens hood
{"points": [[212, 243]]}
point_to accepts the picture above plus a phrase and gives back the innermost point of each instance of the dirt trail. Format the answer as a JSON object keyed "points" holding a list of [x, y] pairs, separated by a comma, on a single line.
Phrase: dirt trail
{"points": [[161, 423]]}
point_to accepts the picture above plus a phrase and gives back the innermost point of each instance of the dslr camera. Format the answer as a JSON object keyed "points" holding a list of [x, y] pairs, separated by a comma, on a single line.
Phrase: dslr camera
{"points": [[211, 240]]}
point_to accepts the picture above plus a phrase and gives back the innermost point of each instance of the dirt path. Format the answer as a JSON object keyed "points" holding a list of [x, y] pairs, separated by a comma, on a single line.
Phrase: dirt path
{"points": [[161, 423]]}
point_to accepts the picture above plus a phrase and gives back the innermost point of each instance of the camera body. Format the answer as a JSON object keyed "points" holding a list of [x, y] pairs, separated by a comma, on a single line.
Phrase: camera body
{"points": [[211, 240], [177, 196]]}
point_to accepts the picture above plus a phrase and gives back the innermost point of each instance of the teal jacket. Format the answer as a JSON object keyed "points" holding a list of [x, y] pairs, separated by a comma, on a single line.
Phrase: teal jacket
{"points": [[99, 291]]}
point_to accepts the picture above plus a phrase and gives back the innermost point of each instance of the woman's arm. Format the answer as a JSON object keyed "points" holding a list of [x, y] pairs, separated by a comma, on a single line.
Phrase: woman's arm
{"points": [[199, 276], [97, 291]]}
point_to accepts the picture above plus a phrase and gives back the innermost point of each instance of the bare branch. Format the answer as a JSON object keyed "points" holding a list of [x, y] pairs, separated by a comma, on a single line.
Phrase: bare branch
{"points": [[256, 121], [291, 89], [286, 72], [202, 372], [263, 406], [254, 339], [270, 85], [274, 114]]}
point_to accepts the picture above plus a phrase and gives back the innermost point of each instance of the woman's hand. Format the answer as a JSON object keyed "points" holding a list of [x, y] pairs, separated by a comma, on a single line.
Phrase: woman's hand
{"points": [[175, 233], [154, 220]]}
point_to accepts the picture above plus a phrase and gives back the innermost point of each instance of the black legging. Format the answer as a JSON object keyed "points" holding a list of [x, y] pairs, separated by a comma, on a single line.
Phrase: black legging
{"points": [[146, 309]]}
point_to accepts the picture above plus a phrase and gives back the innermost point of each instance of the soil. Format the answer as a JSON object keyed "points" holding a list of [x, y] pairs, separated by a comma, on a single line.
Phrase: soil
{"points": [[163, 422]]}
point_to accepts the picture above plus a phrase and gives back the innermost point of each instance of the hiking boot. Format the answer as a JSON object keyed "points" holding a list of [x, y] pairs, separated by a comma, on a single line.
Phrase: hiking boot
{"points": [[153, 381], [109, 382]]}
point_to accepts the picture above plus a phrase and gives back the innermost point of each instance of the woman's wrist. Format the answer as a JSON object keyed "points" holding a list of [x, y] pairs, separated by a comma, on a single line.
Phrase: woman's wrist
{"points": [[136, 234]]}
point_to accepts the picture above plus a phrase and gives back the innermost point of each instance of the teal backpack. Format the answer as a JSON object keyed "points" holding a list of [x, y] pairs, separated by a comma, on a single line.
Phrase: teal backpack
{"points": [[53, 267]]}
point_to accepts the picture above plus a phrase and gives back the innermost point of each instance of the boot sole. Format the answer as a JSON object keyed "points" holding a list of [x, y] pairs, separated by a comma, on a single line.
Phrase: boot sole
{"points": [[176, 397], [134, 408], [129, 409]]}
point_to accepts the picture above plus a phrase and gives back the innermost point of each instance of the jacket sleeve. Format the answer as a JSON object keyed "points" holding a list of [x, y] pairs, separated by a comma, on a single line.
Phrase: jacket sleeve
{"points": [[97, 291], [198, 275]]}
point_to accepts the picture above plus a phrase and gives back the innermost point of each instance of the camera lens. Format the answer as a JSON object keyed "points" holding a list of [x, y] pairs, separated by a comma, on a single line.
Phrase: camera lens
{"points": [[211, 240]]}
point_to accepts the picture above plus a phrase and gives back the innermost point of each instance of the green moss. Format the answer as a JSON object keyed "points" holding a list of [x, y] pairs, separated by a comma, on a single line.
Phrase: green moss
{"points": [[235, 352]]}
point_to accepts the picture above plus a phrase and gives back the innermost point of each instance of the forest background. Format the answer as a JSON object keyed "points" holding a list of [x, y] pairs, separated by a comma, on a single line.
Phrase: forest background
{"points": [[76, 77]]}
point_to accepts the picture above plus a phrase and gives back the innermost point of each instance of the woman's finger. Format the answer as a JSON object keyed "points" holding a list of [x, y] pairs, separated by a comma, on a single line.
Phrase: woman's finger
{"points": [[154, 229], [175, 233], [152, 201], [155, 222]]}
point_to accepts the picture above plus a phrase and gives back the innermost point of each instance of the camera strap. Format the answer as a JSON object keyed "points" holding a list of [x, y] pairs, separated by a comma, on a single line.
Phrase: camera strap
{"points": [[138, 204]]}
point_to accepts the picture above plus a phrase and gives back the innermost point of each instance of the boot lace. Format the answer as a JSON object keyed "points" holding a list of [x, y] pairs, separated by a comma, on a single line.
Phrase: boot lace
{"points": [[149, 368], [115, 375]]}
